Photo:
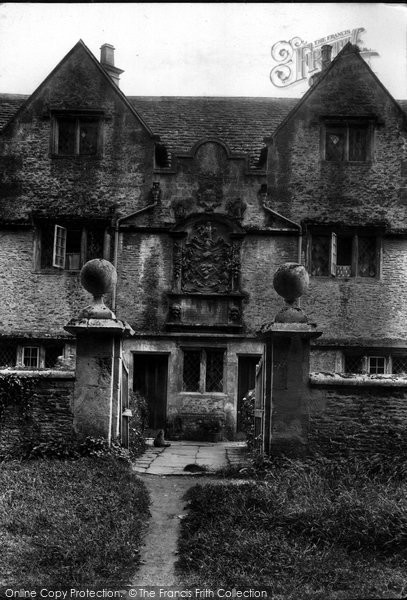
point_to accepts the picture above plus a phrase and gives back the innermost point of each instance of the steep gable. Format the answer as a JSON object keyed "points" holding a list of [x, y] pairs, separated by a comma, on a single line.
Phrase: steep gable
{"points": [[330, 91], [78, 80], [306, 184]]}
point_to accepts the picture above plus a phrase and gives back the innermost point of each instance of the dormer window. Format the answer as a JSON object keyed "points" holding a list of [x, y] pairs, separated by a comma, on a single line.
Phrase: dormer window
{"points": [[77, 135], [347, 140]]}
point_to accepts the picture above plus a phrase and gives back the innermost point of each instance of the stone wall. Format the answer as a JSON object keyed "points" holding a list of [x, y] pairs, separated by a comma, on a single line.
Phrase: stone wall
{"points": [[50, 418], [33, 301], [364, 418], [366, 310]]}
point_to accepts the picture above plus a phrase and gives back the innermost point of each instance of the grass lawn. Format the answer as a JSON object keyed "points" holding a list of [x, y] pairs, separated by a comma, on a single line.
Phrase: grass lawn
{"points": [[70, 523], [306, 531]]}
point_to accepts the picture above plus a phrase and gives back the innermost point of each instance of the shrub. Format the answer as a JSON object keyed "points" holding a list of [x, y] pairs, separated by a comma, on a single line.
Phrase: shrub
{"points": [[137, 423], [246, 417]]}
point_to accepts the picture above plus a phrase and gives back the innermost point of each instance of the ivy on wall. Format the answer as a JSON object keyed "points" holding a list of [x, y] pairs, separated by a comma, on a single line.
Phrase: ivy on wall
{"points": [[16, 391]]}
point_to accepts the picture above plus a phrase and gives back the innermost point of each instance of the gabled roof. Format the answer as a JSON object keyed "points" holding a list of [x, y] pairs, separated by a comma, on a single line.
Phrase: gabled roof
{"points": [[349, 48], [104, 74], [182, 121]]}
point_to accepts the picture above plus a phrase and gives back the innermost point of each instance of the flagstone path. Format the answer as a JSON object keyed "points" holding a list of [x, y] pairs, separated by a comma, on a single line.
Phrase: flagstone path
{"points": [[162, 470]]}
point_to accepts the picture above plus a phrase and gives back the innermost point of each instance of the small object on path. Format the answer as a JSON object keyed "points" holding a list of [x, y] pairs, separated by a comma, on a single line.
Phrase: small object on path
{"points": [[159, 441], [194, 468]]}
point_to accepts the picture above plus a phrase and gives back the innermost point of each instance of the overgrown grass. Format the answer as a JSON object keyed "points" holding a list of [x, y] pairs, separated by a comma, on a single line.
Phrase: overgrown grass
{"points": [[70, 523], [314, 529]]}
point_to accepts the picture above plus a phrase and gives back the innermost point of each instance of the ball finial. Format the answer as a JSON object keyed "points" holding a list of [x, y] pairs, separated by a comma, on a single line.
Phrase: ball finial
{"points": [[291, 281], [98, 276]]}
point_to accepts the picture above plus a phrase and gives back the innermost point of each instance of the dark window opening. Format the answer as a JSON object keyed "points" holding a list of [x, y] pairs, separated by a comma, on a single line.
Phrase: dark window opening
{"points": [[161, 156], [347, 142], [320, 255], [344, 257], [8, 355], [354, 363], [77, 136], [192, 370], [367, 257], [335, 144], [214, 371], [262, 158], [52, 354], [69, 247]]}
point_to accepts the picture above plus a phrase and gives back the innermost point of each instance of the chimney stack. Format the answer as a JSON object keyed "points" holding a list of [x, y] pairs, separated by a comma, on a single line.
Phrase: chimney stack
{"points": [[326, 52], [107, 62]]}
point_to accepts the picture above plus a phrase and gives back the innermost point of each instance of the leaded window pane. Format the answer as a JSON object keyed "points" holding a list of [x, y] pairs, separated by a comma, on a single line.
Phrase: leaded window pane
{"points": [[357, 143], [320, 255], [214, 371], [367, 256], [88, 136], [95, 244], [8, 354], [335, 143], [353, 363], [192, 368], [399, 365], [66, 136]]}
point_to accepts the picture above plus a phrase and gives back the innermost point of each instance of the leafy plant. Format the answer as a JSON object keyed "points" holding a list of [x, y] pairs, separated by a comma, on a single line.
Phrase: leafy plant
{"points": [[137, 423]]}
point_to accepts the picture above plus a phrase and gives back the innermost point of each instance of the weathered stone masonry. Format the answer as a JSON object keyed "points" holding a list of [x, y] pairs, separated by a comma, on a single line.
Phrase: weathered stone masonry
{"points": [[170, 168]]}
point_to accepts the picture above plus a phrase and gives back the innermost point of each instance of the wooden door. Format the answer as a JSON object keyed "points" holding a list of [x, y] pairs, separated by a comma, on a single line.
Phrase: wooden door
{"points": [[150, 379], [246, 381]]}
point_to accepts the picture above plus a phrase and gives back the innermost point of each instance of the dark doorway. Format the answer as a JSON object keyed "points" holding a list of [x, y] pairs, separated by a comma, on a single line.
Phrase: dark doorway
{"points": [[150, 379], [246, 381]]}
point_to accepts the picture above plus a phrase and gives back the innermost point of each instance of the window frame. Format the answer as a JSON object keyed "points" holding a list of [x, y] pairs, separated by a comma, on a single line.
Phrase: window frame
{"points": [[58, 262], [347, 123], [39, 357], [77, 117], [202, 387], [366, 355], [334, 234]]}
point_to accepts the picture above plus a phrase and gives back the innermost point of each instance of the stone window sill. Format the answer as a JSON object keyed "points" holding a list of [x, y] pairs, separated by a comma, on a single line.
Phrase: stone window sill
{"points": [[341, 379]]}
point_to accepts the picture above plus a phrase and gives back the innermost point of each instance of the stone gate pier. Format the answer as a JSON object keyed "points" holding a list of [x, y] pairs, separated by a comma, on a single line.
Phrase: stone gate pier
{"points": [[98, 395], [285, 391]]}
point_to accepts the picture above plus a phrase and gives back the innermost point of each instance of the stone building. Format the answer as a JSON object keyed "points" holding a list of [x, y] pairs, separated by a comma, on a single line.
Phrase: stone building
{"points": [[197, 202]]}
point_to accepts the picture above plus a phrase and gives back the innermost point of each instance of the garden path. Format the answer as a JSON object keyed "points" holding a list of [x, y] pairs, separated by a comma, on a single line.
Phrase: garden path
{"points": [[162, 470]]}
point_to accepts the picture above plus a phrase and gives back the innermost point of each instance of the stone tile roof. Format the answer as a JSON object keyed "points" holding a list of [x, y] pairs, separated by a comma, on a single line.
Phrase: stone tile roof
{"points": [[241, 123], [9, 104], [182, 121]]}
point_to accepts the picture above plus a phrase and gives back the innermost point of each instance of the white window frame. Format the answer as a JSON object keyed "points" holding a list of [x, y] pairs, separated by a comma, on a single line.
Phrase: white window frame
{"points": [[385, 359], [59, 249], [23, 352]]}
